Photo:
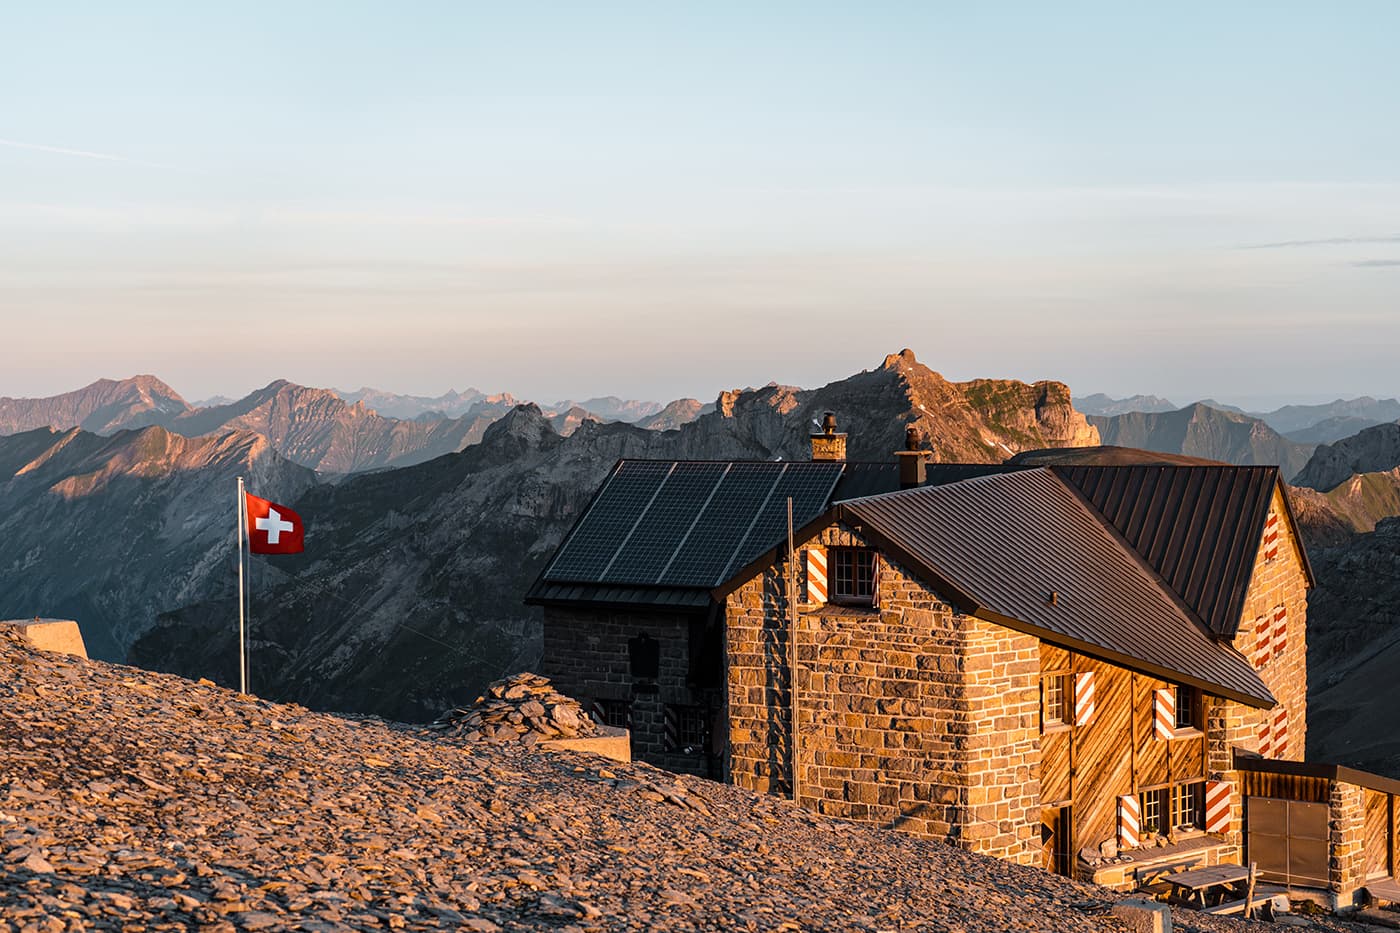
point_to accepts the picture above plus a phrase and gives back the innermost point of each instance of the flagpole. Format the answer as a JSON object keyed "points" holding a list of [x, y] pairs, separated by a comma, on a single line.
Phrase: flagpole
{"points": [[242, 649]]}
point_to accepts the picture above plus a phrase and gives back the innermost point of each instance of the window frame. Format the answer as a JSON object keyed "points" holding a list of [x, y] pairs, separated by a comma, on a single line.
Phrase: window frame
{"points": [[1193, 792], [1049, 723], [1188, 710], [842, 569], [1150, 801]]}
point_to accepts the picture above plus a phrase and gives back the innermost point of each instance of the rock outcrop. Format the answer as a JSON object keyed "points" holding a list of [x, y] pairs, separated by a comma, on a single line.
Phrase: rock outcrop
{"points": [[1374, 450]]}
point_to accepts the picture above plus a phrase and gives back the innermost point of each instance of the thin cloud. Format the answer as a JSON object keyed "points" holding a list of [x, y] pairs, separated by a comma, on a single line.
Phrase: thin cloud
{"points": [[1331, 241], [85, 154], [1376, 263]]}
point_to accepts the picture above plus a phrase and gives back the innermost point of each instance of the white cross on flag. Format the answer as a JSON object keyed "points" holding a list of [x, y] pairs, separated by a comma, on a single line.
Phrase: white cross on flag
{"points": [[273, 528]]}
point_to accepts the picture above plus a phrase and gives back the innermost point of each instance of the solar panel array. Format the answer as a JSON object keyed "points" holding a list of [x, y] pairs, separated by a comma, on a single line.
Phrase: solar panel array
{"points": [[688, 523]]}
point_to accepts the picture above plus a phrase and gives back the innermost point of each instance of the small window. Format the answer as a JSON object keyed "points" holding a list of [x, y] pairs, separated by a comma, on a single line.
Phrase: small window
{"points": [[615, 713], [1188, 805], [1188, 705], [1155, 805], [1055, 695], [687, 728], [853, 575]]}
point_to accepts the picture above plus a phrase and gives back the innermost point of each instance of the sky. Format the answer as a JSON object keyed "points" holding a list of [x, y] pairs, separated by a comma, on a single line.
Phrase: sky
{"points": [[658, 200]]}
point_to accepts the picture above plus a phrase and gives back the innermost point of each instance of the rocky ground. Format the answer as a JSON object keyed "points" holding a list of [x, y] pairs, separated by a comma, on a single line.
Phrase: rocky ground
{"points": [[136, 801]]}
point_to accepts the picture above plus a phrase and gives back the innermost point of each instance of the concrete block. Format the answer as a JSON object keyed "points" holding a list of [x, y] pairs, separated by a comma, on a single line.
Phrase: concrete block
{"points": [[1144, 916], [60, 635], [615, 744]]}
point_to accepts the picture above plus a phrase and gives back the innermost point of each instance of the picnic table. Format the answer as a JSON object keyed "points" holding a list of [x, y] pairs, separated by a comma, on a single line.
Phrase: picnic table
{"points": [[1211, 888]]}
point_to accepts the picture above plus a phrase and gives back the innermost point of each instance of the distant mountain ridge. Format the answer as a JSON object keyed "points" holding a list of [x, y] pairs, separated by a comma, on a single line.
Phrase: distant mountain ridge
{"points": [[1100, 404], [1200, 430], [105, 406], [1374, 450]]}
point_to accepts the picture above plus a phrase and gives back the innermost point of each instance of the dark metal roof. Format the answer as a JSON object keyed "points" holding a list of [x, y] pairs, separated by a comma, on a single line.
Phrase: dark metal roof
{"points": [[862, 479], [998, 546], [1199, 527], [1339, 773], [688, 524], [544, 593]]}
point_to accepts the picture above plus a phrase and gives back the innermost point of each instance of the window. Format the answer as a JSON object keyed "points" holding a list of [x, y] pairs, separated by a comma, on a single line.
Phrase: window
{"points": [[615, 713], [1155, 805], [687, 729], [1055, 701], [1187, 805], [853, 575], [1188, 706]]}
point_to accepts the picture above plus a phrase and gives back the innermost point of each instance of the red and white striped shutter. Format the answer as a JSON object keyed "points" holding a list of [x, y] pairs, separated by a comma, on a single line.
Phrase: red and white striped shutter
{"points": [[1271, 535], [1280, 732], [1083, 698], [1164, 712], [1263, 640], [1266, 735], [1280, 629], [816, 575], [876, 565], [1129, 818], [1219, 800]]}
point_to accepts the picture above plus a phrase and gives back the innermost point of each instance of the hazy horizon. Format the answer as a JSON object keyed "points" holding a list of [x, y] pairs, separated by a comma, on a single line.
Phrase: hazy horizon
{"points": [[663, 202]]}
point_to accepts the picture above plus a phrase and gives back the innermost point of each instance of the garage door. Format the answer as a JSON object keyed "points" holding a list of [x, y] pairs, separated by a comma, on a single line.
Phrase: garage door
{"points": [[1287, 839]]}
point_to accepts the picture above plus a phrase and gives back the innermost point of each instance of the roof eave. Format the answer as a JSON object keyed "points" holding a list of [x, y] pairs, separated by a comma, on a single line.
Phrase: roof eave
{"points": [[1128, 661]]}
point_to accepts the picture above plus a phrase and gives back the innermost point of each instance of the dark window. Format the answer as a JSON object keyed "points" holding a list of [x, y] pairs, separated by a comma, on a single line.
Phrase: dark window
{"points": [[1188, 708], [1188, 805], [687, 728], [1055, 702], [615, 713], [853, 575]]}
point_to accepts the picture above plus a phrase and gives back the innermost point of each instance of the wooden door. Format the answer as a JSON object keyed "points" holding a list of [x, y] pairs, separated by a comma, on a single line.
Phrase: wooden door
{"points": [[1377, 842], [1056, 840]]}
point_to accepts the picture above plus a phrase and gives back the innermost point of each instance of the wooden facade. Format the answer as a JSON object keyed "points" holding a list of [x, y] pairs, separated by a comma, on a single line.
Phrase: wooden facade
{"points": [[1087, 767]]}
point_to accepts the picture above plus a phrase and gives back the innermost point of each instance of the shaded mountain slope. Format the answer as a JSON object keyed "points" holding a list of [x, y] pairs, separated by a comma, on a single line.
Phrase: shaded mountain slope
{"points": [[105, 406], [1202, 431], [113, 530], [1374, 450], [410, 598], [681, 411]]}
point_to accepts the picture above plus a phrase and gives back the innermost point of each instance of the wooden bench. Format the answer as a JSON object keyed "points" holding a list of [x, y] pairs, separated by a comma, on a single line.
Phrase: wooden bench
{"points": [[1216, 889], [1151, 876]]}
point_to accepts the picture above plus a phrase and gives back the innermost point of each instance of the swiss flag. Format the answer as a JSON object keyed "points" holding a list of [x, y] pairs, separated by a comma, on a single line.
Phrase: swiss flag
{"points": [[273, 528]]}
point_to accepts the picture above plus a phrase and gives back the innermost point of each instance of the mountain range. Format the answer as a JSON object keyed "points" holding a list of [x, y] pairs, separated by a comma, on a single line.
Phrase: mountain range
{"points": [[409, 599], [322, 429], [1302, 424]]}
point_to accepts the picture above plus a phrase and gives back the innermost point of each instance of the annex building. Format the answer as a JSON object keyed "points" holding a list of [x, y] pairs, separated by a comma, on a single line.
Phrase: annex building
{"points": [[1098, 669]]}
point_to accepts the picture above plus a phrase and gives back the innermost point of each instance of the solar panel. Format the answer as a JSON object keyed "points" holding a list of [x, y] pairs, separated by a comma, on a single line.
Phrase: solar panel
{"points": [[809, 485], [688, 524], [647, 549], [595, 539]]}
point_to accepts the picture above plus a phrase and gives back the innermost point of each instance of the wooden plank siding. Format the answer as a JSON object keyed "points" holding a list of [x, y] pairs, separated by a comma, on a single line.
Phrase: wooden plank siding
{"points": [[1284, 786], [1117, 753]]}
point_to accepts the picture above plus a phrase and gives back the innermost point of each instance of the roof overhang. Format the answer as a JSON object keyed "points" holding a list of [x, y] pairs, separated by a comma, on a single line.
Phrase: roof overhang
{"points": [[1339, 773]]}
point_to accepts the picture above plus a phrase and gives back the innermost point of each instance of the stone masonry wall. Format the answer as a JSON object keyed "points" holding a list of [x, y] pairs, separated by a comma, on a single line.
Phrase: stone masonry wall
{"points": [[1280, 582], [1232, 725], [911, 715], [586, 657], [1346, 829]]}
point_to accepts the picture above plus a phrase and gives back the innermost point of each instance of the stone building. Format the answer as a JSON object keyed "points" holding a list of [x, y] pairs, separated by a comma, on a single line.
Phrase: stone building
{"points": [[1099, 669]]}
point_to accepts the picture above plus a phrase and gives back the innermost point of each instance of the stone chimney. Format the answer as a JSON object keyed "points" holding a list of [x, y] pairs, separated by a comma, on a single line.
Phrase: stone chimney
{"points": [[911, 460], [828, 445]]}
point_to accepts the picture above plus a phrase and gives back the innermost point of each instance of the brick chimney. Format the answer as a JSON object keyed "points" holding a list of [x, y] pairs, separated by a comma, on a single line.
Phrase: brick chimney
{"points": [[828, 445], [911, 460]]}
